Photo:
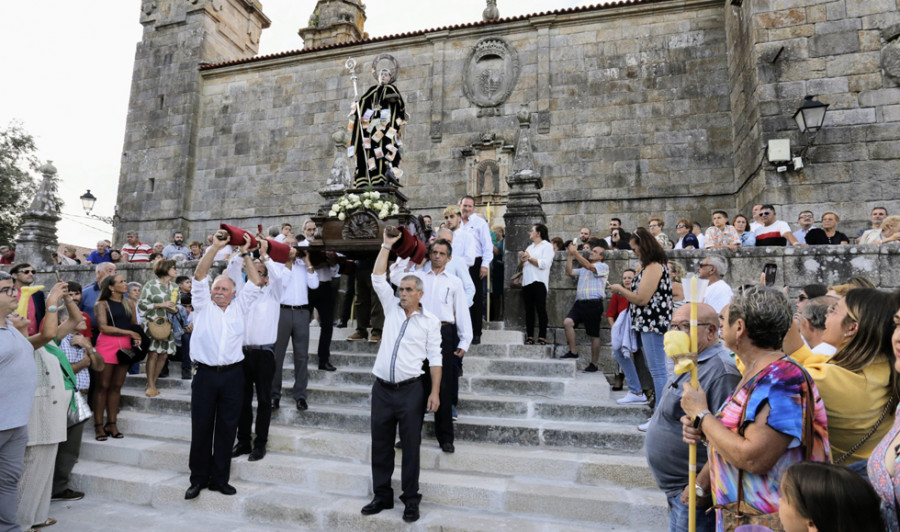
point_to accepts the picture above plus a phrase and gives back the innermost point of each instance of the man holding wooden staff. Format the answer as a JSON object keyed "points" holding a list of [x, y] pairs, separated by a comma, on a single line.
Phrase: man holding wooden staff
{"points": [[667, 454]]}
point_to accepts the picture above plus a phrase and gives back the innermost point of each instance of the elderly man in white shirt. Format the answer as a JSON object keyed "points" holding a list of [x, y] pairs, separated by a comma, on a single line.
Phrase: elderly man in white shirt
{"points": [[444, 297], [293, 326], [718, 294], [411, 335], [217, 387], [259, 349], [484, 254]]}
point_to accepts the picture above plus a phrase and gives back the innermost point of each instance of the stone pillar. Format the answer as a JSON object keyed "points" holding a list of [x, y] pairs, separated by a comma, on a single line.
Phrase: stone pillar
{"points": [[522, 211], [37, 238], [335, 22]]}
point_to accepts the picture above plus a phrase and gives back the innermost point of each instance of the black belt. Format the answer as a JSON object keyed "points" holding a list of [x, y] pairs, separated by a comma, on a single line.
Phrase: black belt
{"points": [[397, 385], [446, 323], [267, 347], [219, 369], [295, 307]]}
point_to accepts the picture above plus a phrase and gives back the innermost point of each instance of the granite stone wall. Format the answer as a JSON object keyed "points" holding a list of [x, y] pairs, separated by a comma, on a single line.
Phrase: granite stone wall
{"points": [[660, 107]]}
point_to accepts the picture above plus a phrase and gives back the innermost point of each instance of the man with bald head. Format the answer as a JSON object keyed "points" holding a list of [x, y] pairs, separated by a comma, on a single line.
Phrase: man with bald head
{"points": [[667, 454], [218, 384]]}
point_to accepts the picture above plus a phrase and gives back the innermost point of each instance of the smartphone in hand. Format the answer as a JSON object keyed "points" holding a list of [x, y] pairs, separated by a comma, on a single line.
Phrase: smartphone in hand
{"points": [[770, 269]]}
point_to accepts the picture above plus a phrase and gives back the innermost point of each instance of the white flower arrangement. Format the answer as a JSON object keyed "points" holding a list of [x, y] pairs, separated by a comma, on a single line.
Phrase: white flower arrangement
{"points": [[371, 200]]}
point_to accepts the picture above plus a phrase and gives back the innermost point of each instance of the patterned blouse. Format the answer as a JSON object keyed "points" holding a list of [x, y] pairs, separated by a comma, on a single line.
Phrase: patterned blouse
{"points": [[156, 292], [722, 237], [887, 486], [657, 313], [783, 387]]}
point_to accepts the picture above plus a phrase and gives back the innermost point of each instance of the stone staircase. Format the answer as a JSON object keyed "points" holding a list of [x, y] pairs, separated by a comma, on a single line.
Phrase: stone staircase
{"points": [[539, 447]]}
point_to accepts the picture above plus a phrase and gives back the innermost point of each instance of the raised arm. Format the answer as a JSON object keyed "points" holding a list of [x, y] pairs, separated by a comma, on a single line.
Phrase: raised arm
{"points": [[219, 241]]}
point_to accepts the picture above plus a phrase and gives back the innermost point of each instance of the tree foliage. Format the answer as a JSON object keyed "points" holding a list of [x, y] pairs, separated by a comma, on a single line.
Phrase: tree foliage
{"points": [[17, 183]]}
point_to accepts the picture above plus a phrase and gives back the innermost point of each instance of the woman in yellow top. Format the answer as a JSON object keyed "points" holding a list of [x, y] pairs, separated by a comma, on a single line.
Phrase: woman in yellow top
{"points": [[858, 384]]}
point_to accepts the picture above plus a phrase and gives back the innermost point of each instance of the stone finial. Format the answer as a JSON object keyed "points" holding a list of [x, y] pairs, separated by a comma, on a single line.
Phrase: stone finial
{"points": [[491, 12], [524, 116], [37, 238]]}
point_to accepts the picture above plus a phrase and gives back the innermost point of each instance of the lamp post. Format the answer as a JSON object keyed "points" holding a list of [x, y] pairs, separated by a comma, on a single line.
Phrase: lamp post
{"points": [[87, 201]]}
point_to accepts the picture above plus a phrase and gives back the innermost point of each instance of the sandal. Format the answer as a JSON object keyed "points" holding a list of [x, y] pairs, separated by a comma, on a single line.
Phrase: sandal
{"points": [[152, 393], [99, 432], [529, 341], [116, 435], [542, 341], [49, 522]]}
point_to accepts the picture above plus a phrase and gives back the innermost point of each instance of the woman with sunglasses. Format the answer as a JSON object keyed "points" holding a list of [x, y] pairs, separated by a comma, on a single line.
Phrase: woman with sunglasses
{"points": [[859, 384]]}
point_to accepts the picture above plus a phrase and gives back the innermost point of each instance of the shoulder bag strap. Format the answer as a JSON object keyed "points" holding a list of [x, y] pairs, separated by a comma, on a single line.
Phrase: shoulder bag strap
{"points": [[809, 414]]}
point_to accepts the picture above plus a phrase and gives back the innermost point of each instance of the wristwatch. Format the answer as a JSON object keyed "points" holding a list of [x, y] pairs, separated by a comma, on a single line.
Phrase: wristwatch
{"points": [[699, 419], [698, 489], [52, 308], [245, 254], [385, 246]]}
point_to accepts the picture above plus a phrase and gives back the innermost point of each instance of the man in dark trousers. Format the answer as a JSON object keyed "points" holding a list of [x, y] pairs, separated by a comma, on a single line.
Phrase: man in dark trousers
{"points": [[445, 298], [411, 334], [217, 390], [480, 231]]}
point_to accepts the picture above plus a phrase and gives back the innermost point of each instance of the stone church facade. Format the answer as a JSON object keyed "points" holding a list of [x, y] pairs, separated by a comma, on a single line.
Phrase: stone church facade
{"points": [[638, 108]]}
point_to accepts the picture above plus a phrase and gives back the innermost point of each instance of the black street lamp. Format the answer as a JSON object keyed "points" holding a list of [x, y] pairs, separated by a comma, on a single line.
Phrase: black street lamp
{"points": [[87, 201], [810, 116]]}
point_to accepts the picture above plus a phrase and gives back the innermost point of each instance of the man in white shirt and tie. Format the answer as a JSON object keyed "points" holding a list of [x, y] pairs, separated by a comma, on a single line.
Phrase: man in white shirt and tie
{"points": [[293, 325], [480, 231], [260, 335], [217, 387], [445, 298], [411, 335]]}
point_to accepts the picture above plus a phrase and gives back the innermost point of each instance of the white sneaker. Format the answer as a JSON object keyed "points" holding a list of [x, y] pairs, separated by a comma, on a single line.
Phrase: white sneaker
{"points": [[644, 426], [314, 323], [633, 399]]}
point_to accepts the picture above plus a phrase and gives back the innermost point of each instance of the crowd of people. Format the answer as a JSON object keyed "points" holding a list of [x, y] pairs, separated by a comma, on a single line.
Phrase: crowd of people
{"points": [[788, 389]]}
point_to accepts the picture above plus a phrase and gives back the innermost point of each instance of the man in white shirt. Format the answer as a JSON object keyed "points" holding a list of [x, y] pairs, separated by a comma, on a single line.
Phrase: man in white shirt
{"points": [[480, 231], [293, 325], [445, 298], [259, 349], [718, 294], [812, 324], [322, 300], [411, 335], [217, 388], [285, 232], [455, 266]]}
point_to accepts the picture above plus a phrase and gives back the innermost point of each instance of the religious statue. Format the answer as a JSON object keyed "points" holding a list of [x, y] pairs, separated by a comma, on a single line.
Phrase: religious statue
{"points": [[375, 128]]}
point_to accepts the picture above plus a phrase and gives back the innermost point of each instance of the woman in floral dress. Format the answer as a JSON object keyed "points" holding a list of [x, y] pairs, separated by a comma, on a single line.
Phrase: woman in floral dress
{"points": [[155, 302]]}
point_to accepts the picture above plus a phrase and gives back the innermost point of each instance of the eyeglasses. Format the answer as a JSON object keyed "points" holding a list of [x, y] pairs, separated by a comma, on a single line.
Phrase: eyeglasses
{"points": [[765, 213], [680, 226], [685, 326], [25, 271], [802, 297], [705, 265], [9, 291]]}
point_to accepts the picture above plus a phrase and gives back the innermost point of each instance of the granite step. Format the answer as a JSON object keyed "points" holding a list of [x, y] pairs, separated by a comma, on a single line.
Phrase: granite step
{"points": [[536, 352], [488, 335], [331, 479], [579, 466], [521, 432], [470, 404], [331, 516]]}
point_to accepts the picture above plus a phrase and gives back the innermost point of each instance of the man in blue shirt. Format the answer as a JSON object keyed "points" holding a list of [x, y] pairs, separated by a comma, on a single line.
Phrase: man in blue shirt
{"points": [[101, 254]]}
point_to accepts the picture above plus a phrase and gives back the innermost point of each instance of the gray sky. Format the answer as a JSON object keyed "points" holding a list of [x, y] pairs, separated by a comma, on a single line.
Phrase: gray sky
{"points": [[68, 74]]}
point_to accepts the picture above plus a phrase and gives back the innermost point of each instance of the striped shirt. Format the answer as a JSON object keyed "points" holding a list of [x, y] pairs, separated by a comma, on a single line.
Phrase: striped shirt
{"points": [[137, 253], [591, 285]]}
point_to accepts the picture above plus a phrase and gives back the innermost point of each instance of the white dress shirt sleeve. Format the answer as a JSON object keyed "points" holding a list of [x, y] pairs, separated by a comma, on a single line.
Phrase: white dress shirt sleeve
{"points": [[462, 274], [200, 294], [247, 296], [432, 342], [276, 273], [233, 271], [398, 270], [463, 320], [487, 245], [386, 295], [544, 255]]}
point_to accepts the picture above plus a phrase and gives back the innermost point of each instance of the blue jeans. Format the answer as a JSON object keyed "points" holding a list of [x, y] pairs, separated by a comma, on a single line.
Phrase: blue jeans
{"points": [[679, 513], [631, 374], [655, 355]]}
